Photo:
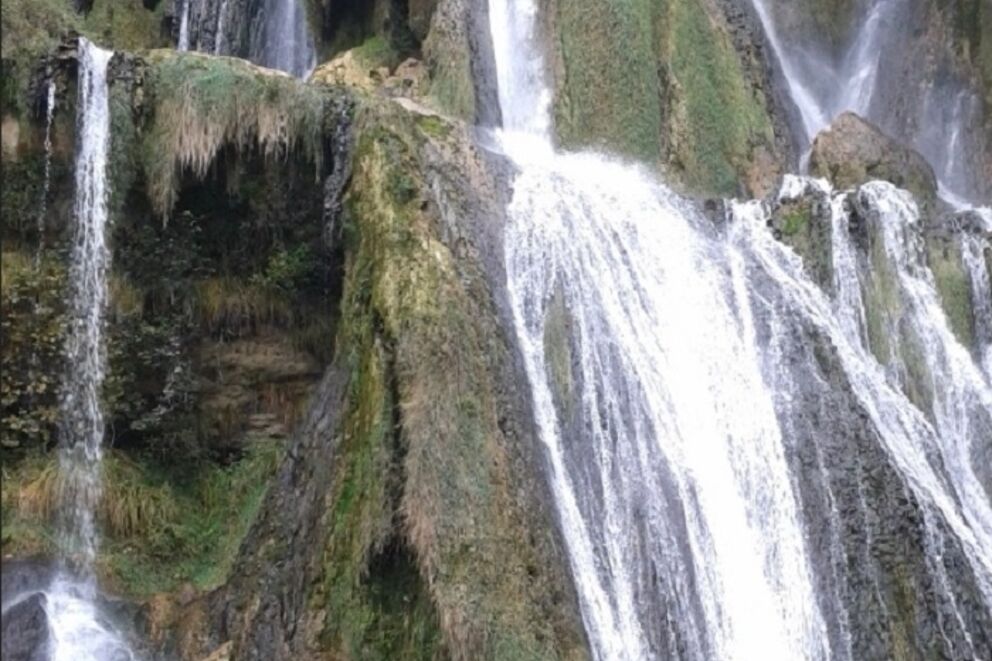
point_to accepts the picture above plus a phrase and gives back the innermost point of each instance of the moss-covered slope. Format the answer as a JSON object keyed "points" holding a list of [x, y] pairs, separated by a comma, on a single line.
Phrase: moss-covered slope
{"points": [[661, 81]]}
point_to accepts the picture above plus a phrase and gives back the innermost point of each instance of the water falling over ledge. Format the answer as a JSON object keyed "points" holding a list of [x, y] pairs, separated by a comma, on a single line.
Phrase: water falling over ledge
{"points": [[78, 630]]}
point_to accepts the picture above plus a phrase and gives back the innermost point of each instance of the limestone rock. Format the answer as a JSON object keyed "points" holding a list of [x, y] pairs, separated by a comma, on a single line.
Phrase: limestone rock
{"points": [[853, 151]]}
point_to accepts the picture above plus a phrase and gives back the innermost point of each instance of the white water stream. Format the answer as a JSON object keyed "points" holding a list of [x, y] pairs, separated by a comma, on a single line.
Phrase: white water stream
{"points": [[285, 42], [79, 631], [662, 412]]}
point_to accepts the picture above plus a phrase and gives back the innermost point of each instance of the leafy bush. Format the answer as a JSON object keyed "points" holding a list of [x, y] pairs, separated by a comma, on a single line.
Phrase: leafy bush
{"points": [[33, 327]]}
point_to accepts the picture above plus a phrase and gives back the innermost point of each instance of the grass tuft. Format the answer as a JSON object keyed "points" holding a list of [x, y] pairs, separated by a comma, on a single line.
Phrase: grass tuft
{"points": [[205, 104]]}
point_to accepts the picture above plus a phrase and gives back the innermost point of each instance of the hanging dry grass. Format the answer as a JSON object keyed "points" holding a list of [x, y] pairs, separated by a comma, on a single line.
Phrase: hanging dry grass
{"points": [[204, 104]]}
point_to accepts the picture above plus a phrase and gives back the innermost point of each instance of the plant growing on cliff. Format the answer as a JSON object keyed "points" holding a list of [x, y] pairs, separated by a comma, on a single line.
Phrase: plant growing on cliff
{"points": [[204, 105], [32, 325]]}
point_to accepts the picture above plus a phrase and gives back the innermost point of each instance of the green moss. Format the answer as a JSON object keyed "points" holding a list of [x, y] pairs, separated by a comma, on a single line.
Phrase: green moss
{"points": [[954, 287], [434, 126], [33, 327], [811, 240], [377, 52], [658, 82], [716, 117], [882, 302], [795, 221], [423, 477], [558, 348], [125, 25], [610, 93], [162, 525], [30, 29], [449, 60]]}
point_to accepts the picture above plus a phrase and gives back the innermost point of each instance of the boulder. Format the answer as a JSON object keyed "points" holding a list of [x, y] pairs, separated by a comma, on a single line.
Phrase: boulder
{"points": [[25, 630], [852, 151]]}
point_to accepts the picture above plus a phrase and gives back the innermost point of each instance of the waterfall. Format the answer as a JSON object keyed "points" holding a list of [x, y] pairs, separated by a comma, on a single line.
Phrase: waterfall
{"points": [[823, 85], [284, 41], [46, 183], [679, 395], [278, 34], [220, 42], [78, 630], [183, 44], [935, 450], [671, 485]]}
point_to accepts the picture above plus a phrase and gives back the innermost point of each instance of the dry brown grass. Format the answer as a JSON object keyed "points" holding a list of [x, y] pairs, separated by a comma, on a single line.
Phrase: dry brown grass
{"points": [[129, 505], [205, 104], [236, 306]]}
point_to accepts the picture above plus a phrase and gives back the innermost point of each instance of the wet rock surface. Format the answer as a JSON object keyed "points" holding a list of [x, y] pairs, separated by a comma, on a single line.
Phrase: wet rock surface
{"points": [[25, 629]]}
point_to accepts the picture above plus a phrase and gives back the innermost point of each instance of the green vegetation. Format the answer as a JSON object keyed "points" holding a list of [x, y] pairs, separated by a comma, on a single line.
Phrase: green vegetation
{"points": [[30, 29], [809, 236], [377, 52], [422, 505], [716, 117], [163, 524], [31, 357], [660, 83], [954, 286], [126, 25], [204, 104], [610, 96]]}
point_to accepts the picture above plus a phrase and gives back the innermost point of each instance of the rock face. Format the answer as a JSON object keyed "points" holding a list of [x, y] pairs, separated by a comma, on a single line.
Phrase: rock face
{"points": [[853, 151], [391, 529], [25, 630]]}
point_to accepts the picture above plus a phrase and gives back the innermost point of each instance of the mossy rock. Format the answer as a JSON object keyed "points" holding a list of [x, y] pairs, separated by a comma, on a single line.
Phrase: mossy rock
{"points": [[662, 84], [805, 225], [423, 467], [953, 285]]}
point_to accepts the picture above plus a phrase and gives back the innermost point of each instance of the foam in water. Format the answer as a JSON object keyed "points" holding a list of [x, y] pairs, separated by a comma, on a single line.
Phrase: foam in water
{"points": [[676, 501], [681, 468], [667, 421], [933, 449], [78, 631]]}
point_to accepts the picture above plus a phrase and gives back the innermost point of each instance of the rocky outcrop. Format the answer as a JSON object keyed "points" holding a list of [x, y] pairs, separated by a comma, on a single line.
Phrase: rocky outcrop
{"points": [[25, 630], [852, 151], [409, 519]]}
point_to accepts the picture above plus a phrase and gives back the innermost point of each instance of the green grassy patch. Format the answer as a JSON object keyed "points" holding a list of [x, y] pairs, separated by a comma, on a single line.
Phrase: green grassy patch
{"points": [[161, 527]]}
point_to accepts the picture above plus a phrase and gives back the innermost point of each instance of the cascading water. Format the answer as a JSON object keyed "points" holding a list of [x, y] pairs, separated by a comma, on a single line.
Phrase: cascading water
{"points": [[665, 355], [220, 34], [278, 34], [934, 450], [78, 630], [671, 484], [976, 251]]}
